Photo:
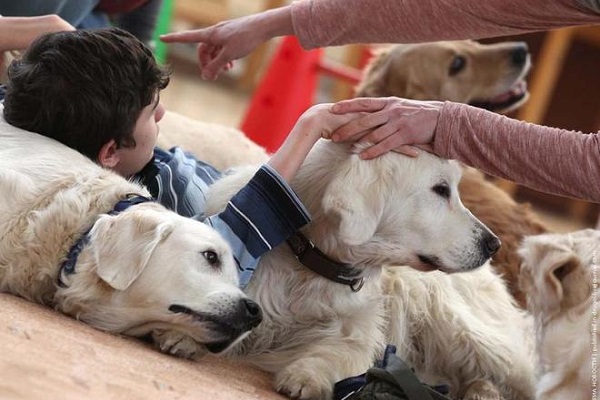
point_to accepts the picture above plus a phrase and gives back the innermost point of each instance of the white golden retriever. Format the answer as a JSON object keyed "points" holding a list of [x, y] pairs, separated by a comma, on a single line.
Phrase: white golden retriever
{"points": [[142, 269], [559, 275], [461, 329]]}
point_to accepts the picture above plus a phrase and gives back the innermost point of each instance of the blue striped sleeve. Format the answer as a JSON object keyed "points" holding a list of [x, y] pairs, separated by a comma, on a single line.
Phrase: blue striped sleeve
{"points": [[261, 216]]}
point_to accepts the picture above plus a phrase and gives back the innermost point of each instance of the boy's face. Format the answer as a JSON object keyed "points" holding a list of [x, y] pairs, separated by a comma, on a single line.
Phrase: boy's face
{"points": [[145, 133]]}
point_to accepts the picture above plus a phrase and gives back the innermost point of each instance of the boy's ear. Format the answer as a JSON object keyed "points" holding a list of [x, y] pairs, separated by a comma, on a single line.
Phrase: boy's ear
{"points": [[108, 156]]}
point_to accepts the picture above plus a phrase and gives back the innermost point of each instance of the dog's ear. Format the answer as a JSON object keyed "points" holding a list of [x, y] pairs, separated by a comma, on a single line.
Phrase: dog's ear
{"points": [[123, 244], [556, 277], [356, 200], [374, 81]]}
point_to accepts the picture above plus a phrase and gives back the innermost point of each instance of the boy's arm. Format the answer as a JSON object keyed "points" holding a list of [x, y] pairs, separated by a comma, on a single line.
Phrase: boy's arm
{"points": [[315, 123], [261, 216], [265, 212]]}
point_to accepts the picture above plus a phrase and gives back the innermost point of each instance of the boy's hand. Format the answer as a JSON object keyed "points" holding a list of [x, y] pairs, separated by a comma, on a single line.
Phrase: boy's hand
{"points": [[319, 122], [315, 123]]}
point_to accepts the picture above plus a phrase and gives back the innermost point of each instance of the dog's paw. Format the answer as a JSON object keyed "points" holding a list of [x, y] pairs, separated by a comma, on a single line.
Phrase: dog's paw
{"points": [[177, 344], [482, 390], [305, 380]]}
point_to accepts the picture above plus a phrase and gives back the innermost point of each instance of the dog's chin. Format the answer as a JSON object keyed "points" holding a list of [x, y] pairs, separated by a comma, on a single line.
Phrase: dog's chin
{"points": [[508, 101], [222, 345], [225, 332], [427, 263]]}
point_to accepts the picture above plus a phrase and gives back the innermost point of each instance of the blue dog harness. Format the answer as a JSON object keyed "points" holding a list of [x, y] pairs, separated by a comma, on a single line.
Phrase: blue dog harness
{"points": [[68, 266]]}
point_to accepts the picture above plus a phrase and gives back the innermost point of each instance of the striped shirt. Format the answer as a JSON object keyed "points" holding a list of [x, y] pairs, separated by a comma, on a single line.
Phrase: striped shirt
{"points": [[262, 215]]}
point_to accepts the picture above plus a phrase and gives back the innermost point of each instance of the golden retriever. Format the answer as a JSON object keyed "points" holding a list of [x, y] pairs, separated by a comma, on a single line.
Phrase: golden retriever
{"points": [[490, 76], [461, 329], [559, 276], [139, 270]]}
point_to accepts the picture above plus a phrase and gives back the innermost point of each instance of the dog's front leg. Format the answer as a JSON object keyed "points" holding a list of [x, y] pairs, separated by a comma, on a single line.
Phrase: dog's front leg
{"points": [[178, 344], [316, 368]]}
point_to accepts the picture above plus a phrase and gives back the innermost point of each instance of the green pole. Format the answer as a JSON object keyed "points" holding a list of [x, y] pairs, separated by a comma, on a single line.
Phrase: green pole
{"points": [[162, 26]]}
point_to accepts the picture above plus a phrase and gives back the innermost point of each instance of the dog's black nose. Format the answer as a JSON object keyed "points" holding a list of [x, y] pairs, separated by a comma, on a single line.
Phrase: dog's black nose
{"points": [[490, 244], [518, 55], [253, 312]]}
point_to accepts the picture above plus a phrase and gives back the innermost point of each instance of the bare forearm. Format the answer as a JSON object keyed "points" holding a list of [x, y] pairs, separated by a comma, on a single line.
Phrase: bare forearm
{"points": [[290, 156], [320, 23], [278, 22], [551, 160], [16, 33]]}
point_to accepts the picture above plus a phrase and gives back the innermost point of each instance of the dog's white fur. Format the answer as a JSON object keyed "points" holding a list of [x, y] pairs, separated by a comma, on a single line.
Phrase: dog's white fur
{"points": [[559, 277], [462, 329], [137, 264]]}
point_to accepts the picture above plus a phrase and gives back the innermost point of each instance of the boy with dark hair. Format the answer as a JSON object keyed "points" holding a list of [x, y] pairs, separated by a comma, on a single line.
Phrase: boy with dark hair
{"points": [[98, 92]]}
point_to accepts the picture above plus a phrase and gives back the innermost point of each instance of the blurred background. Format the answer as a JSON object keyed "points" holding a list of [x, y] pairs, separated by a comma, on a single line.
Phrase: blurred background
{"points": [[564, 83]]}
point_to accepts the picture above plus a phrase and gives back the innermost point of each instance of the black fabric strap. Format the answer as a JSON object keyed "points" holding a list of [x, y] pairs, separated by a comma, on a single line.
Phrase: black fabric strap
{"points": [[399, 374], [315, 260]]}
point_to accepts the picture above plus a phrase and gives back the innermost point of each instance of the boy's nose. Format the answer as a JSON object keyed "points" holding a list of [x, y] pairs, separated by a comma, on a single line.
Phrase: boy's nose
{"points": [[159, 113]]}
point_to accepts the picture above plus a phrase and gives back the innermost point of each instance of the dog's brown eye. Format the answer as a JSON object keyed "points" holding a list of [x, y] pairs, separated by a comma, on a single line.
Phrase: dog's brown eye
{"points": [[458, 64], [211, 257], [442, 190]]}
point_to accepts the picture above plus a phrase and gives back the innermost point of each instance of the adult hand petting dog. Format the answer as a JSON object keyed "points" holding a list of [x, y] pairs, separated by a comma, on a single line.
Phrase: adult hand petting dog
{"points": [[389, 123]]}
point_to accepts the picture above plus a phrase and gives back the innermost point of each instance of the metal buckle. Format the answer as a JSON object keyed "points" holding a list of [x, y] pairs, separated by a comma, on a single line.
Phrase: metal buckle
{"points": [[357, 284]]}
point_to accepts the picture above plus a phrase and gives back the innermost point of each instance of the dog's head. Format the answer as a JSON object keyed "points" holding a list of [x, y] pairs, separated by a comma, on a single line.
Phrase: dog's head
{"points": [[488, 76], [150, 269], [391, 210], [557, 272]]}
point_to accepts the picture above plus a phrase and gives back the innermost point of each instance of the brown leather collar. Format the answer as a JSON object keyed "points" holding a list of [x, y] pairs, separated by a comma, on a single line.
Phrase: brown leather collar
{"points": [[315, 260]]}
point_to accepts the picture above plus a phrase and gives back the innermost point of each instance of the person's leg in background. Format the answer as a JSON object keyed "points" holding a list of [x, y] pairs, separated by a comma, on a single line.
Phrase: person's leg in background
{"points": [[141, 22]]}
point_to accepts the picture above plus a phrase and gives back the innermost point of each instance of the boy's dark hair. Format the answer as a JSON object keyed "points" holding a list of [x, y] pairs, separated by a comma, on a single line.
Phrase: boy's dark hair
{"points": [[83, 88]]}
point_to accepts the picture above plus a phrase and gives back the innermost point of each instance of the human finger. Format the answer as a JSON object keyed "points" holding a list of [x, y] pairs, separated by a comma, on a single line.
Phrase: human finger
{"points": [[357, 126], [190, 36], [407, 150], [379, 148], [364, 104], [217, 64]]}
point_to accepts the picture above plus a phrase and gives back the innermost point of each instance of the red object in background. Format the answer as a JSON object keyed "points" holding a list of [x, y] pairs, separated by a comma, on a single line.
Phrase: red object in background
{"points": [[285, 92], [118, 6]]}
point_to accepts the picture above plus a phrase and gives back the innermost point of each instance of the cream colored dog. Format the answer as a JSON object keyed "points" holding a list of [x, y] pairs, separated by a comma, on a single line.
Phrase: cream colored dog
{"points": [[461, 329], [143, 269], [486, 75], [559, 275]]}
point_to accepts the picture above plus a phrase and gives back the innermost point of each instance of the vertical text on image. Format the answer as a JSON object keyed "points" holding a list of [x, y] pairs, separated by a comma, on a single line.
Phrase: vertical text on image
{"points": [[594, 343]]}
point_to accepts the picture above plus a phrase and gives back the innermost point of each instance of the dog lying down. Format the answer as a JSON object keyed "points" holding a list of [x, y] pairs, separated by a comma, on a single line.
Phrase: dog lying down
{"points": [[491, 76], [461, 329], [125, 278], [559, 276]]}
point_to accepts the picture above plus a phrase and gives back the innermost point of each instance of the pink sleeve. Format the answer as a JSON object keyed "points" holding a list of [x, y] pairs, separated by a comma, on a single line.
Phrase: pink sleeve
{"points": [[551, 160], [319, 23]]}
